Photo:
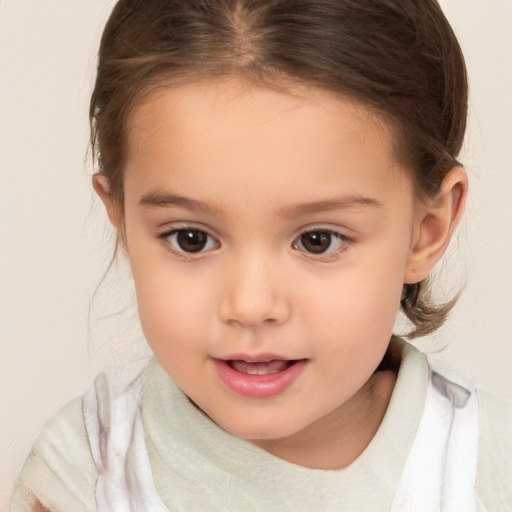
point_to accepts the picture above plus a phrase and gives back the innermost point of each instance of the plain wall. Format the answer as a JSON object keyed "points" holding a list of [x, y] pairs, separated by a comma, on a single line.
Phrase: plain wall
{"points": [[55, 242]]}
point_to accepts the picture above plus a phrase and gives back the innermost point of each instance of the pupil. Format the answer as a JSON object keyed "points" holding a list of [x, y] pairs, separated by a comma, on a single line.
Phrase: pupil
{"points": [[316, 241], [191, 241]]}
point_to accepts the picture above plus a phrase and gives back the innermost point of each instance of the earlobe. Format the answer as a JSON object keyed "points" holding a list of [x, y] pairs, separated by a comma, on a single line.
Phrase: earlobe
{"points": [[101, 186], [434, 227]]}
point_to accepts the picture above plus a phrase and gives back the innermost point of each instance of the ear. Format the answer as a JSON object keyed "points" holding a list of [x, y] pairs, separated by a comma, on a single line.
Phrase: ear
{"points": [[101, 186], [436, 221]]}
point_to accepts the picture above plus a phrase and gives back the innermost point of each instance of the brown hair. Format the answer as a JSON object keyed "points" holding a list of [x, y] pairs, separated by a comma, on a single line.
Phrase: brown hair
{"points": [[398, 57]]}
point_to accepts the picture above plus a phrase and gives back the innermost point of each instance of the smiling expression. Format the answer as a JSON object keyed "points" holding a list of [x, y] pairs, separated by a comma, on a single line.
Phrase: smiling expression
{"points": [[269, 235]]}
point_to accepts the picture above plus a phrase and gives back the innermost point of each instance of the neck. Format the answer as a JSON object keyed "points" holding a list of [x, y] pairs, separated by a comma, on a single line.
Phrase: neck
{"points": [[338, 439]]}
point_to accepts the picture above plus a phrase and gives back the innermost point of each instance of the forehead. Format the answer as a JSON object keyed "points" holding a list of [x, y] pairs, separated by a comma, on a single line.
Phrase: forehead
{"points": [[229, 129], [233, 99]]}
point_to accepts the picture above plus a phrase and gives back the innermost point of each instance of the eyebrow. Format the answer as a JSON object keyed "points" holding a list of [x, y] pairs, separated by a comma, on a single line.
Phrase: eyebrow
{"points": [[354, 201], [159, 199]]}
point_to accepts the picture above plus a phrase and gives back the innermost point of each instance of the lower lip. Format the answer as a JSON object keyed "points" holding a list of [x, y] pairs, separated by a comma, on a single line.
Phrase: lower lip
{"points": [[258, 386]]}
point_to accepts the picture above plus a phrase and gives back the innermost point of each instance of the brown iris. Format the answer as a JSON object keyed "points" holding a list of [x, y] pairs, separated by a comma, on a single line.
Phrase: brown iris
{"points": [[191, 240], [316, 242]]}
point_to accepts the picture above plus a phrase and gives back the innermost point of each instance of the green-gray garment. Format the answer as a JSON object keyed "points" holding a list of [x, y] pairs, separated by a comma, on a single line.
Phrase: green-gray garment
{"points": [[194, 461]]}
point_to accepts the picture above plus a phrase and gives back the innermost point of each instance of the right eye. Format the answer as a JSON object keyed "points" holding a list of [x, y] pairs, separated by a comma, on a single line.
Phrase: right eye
{"points": [[321, 241], [190, 240]]}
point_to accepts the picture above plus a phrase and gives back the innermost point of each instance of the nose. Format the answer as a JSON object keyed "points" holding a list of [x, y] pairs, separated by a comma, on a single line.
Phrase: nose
{"points": [[253, 294]]}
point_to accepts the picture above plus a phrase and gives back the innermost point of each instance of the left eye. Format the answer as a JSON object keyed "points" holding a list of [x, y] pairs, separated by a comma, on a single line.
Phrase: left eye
{"points": [[191, 240], [320, 241]]}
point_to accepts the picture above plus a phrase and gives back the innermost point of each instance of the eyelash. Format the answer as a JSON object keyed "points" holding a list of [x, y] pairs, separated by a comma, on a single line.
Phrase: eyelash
{"points": [[173, 246]]}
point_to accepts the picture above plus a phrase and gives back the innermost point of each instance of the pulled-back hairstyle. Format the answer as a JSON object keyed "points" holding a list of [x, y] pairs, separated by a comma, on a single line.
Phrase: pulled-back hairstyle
{"points": [[400, 58]]}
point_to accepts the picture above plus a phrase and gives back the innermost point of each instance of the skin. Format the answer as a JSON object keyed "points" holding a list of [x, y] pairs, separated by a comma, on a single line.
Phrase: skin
{"points": [[258, 168]]}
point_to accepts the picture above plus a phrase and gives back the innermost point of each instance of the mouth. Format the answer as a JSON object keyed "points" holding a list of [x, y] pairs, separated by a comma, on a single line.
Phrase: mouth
{"points": [[260, 368], [258, 377]]}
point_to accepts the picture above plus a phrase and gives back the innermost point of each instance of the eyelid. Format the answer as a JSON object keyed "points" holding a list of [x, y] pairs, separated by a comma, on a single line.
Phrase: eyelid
{"points": [[170, 227], [336, 230]]}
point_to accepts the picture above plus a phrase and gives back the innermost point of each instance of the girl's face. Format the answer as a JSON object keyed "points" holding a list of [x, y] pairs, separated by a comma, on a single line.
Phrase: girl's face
{"points": [[269, 236]]}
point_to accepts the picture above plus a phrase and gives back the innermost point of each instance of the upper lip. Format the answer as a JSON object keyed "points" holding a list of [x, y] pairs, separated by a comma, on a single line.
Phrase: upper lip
{"points": [[256, 358]]}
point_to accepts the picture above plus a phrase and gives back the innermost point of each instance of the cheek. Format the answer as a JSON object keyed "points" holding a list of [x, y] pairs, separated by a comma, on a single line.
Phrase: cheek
{"points": [[172, 305], [168, 300], [354, 310], [358, 295]]}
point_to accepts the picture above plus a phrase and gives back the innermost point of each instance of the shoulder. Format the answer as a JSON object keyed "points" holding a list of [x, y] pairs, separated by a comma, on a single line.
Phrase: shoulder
{"points": [[59, 472], [494, 475]]}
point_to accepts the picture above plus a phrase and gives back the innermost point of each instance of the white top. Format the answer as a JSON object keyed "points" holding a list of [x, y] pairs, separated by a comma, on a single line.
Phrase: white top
{"points": [[175, 458]]}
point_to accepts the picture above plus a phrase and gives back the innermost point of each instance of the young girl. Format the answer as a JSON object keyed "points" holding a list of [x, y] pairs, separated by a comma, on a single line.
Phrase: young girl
{"points": [[282, 176]]}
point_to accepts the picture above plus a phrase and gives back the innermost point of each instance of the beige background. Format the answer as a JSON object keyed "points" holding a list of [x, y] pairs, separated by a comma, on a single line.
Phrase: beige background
{"points": [[55, 243]]}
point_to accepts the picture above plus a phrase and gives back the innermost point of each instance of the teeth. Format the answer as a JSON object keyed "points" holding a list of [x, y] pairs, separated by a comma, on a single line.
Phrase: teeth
{"points": [[274, 366], [260, 372]]}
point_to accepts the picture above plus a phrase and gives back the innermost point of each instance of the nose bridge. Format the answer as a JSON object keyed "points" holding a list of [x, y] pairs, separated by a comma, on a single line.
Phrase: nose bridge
{"points": [[253, 294]]}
